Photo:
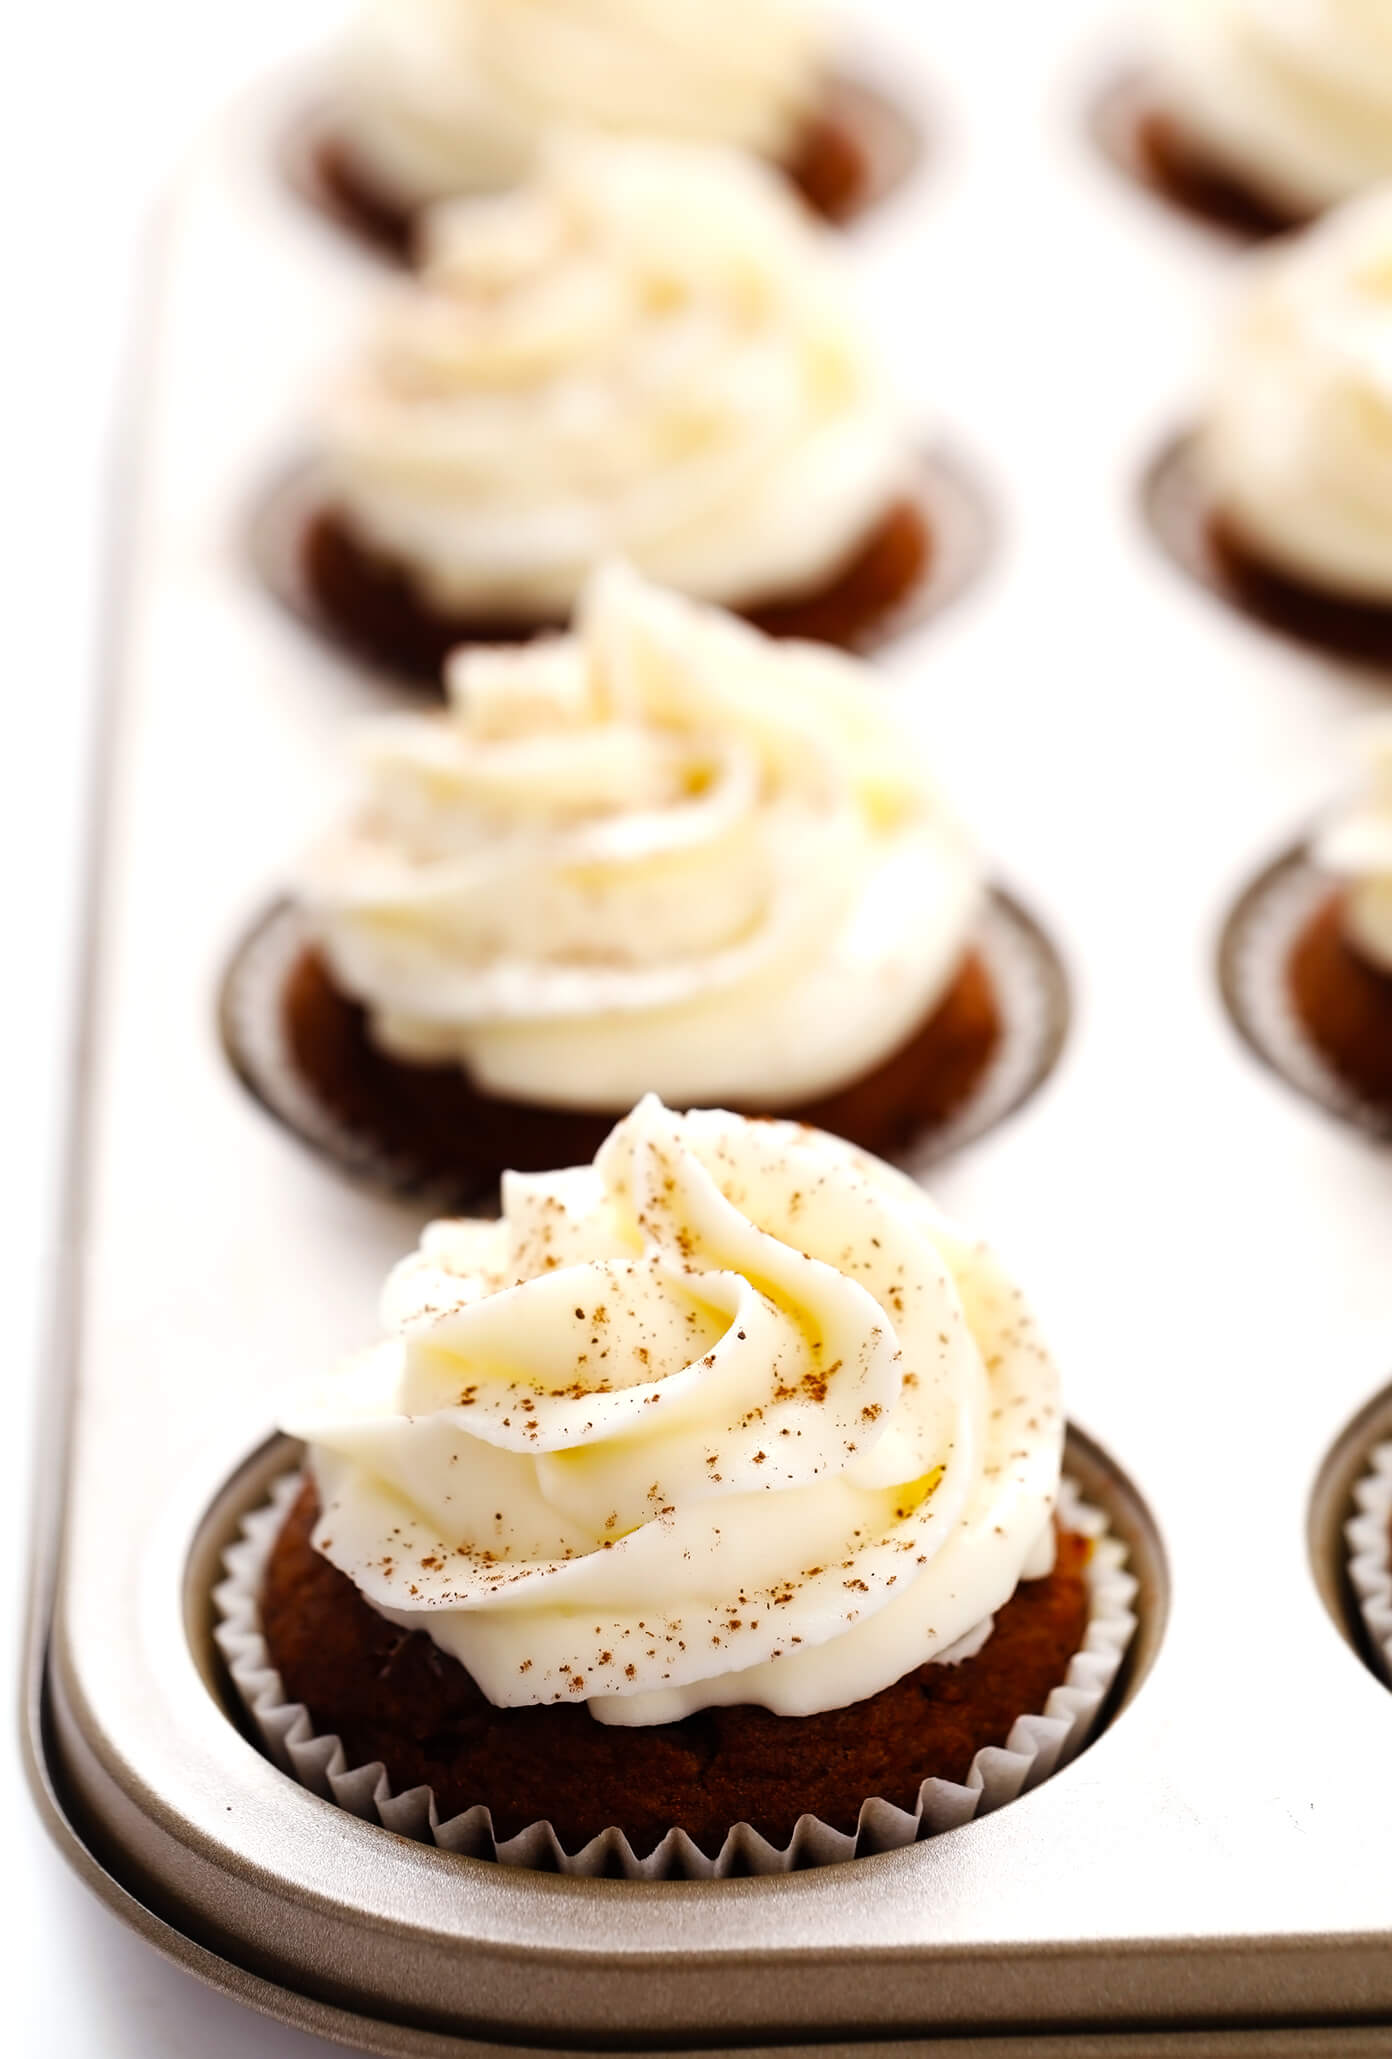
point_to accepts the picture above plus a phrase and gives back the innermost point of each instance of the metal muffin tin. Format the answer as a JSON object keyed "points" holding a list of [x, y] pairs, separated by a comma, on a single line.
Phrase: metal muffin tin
{"points": [[1209, 1253]]}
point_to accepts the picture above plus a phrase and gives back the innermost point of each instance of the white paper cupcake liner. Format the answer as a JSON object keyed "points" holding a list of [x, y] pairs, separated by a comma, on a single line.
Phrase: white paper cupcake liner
{"points": [[1036, 1747], [1253, 957], [1025, 970], [1369, 1538]]}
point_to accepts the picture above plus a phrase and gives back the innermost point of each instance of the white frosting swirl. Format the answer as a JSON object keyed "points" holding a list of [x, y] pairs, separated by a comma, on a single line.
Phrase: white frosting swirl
{"points": [[731, 1415], [1297, 441], [662, 853], [1357, 846], [1293, 95], [648, 351], [441, 97]]}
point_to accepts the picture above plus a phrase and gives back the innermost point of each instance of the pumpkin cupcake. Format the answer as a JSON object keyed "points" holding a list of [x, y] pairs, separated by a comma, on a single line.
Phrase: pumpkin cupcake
{"points": [[647, 351], [437, 98], [716, 1485], [663, 852], [1265, 113], [1340, 966], [1283, 499]]}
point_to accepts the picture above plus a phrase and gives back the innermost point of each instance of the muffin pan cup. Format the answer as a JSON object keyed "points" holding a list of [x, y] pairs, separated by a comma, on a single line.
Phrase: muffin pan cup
{"points": [[1039, 1743], [1207, 1252]]}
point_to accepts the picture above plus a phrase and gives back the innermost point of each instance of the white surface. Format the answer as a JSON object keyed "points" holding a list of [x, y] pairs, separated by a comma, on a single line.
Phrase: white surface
{"points": [[1176, 718]]}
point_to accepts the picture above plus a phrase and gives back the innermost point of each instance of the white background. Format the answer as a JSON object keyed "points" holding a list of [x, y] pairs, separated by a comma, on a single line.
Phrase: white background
{"points": [[102, 100]]}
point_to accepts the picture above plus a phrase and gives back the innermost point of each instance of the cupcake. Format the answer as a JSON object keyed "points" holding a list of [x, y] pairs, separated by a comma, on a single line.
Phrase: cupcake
{"points": [[647, 351], [1266, 112], [715, 1485], [1340, 967], [437, 98], [1293, 461], [662, 853]]}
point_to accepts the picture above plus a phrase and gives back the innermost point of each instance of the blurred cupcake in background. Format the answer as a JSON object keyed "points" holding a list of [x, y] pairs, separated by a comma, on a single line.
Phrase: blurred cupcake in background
{"points": [[1340, 968], [648, 351], [661, 853], [1283, 500], [437, 98], [1266, 112]]}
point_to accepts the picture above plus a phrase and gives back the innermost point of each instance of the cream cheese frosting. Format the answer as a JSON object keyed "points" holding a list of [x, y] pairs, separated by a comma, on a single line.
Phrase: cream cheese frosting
{"points": [[731, 1415], [1297, 440], [1357, 847], [441, 97], [647, 351], [664, 852], [1293, 95]]}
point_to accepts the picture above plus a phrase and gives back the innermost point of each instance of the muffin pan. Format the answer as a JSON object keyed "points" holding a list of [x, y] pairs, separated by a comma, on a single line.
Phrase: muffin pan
{"points": [[1026, 974], [1207, 1251]]}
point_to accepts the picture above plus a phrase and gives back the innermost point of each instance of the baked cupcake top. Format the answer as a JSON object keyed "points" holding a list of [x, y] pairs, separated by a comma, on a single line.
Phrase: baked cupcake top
{"points": [[731, 1415], [441, 97], [1295, 95], [1297, 439], [1357, 847], [661, 852], [646, 351]]}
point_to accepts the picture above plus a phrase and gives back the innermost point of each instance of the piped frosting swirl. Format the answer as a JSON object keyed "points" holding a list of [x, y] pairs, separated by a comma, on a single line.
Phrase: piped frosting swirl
{"points": [[441, 97], [1294, 96], [664, 852], [731, 1415]]}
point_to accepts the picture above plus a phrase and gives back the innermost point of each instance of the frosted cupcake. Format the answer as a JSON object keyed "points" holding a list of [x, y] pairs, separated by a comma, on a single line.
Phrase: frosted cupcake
{"points": [[716, 1484], [1292, 466], [1267, 112], [663, 852], [1340, 969], [437, 98], [648, 351]]}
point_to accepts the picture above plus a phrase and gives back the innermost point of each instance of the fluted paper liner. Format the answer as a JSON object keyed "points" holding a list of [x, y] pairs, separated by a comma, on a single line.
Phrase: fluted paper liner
{"points": [[1253, 956], [1369, 1538], [1030, 984], [1036, 1747]]}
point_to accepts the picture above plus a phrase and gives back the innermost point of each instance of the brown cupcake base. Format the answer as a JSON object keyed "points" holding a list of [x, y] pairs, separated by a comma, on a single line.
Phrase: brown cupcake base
{"points": [[432, 1118], [1203, 541], [1344, 1004], [392, 1696], [1146, 139], [921, 554], [856, 150]]}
